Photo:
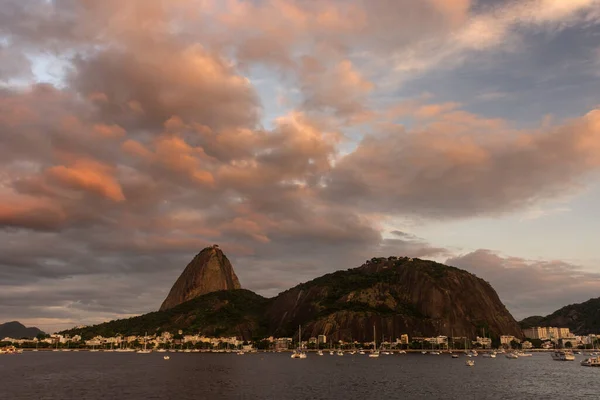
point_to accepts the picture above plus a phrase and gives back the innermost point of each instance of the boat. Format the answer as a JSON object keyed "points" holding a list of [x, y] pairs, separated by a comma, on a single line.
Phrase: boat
{"points": [[402, 352], [512, 356], [361, 352], [10, 350], [320, 352], [340, 353], [454, 355], [435, 353], [240, 353], [591, 362], [374, 353], [522, 354], [331, 352], [470, 363], [298, 353], [560, 355], [166, 357], [145, 350]]}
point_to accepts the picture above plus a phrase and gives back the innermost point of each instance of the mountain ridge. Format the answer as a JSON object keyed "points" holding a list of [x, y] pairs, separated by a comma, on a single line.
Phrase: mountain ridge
{"points": [[397, 294]]}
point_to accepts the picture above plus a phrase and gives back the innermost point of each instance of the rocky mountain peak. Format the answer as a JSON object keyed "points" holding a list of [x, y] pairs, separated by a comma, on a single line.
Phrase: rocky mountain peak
{"points": [[209, 271]]}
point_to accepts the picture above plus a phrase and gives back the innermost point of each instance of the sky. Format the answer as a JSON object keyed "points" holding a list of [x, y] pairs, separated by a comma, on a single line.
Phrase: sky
{"points": [[303, 137]]}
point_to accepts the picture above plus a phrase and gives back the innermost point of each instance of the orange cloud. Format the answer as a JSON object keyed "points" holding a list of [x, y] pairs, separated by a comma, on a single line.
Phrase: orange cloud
{"points": [[25, 211], [109, 131], [88, 176]]}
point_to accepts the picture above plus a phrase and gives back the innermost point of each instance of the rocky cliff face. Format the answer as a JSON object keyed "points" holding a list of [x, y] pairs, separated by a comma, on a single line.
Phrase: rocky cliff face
{"points": [[397, 295], [209, 271]]}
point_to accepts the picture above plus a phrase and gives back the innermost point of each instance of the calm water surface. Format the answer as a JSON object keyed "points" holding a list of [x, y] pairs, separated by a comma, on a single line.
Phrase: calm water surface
{"points": [[107, 376]]}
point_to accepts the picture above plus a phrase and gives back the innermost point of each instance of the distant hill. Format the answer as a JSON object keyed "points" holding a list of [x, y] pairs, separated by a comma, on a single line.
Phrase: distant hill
{"points": [[16, 330], [396, 294], [581, 319]]}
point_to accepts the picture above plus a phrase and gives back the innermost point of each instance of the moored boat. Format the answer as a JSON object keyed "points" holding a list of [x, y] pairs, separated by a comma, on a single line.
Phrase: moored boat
{"points": [[591, 362], [561, 355]]}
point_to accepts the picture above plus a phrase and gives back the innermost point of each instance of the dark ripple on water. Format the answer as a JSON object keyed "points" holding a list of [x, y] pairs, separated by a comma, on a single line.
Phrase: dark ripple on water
{"points": [[106, 376]]}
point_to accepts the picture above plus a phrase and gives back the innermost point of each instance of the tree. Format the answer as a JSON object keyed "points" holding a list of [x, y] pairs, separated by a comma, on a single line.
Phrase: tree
{"points": [[568, 345], [514, 344], [537, 343]]}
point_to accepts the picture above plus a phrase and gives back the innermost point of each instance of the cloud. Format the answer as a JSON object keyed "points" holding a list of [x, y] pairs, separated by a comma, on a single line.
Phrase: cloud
{"points": [[87, 175], [498, 27], [151, 142], [448, 167], [530, 287]]}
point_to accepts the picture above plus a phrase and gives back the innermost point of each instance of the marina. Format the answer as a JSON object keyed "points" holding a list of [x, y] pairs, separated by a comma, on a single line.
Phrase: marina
{"points": [[272, 375]]}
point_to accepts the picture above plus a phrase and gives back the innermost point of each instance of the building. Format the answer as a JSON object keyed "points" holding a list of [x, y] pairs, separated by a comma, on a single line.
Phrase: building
{"points": [[484, 341], [526, 345], [404, 339], [573, 342], [438, 340], [544, 333], [538, 332], [506, 339], [564, 333], [321, 339], [283, 343]]}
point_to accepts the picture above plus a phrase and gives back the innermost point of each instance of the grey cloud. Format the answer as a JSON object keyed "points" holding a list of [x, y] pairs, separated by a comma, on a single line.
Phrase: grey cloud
{"points": [[530, 287]]}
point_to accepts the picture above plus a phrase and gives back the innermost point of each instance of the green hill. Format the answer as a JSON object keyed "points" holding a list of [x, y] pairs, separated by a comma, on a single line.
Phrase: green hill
{"points": [[228, 312], [581, 319]]}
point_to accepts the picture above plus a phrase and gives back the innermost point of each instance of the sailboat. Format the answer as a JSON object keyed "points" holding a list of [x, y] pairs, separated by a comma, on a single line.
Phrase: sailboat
{"points": [[299, 353], [374, 353], [144, 351]]}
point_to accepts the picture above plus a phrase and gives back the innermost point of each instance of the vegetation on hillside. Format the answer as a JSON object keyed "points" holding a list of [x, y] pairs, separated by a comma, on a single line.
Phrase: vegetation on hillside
{"points": [[581, 319], [229, 312]]}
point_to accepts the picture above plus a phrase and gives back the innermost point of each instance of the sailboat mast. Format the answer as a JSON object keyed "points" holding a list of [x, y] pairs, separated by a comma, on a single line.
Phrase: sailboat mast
{"points": [[374, 339]]}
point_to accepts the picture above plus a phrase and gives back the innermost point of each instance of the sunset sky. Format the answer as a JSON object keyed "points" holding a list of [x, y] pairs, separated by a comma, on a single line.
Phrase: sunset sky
{"points": [[301, 136]]}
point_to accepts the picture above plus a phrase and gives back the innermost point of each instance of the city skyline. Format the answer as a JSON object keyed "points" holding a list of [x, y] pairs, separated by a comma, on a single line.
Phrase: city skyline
{"points": [[303, 138]]}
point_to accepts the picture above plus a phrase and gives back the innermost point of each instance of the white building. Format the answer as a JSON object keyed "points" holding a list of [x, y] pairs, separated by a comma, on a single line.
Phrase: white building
{"points": [[484, 341]]}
